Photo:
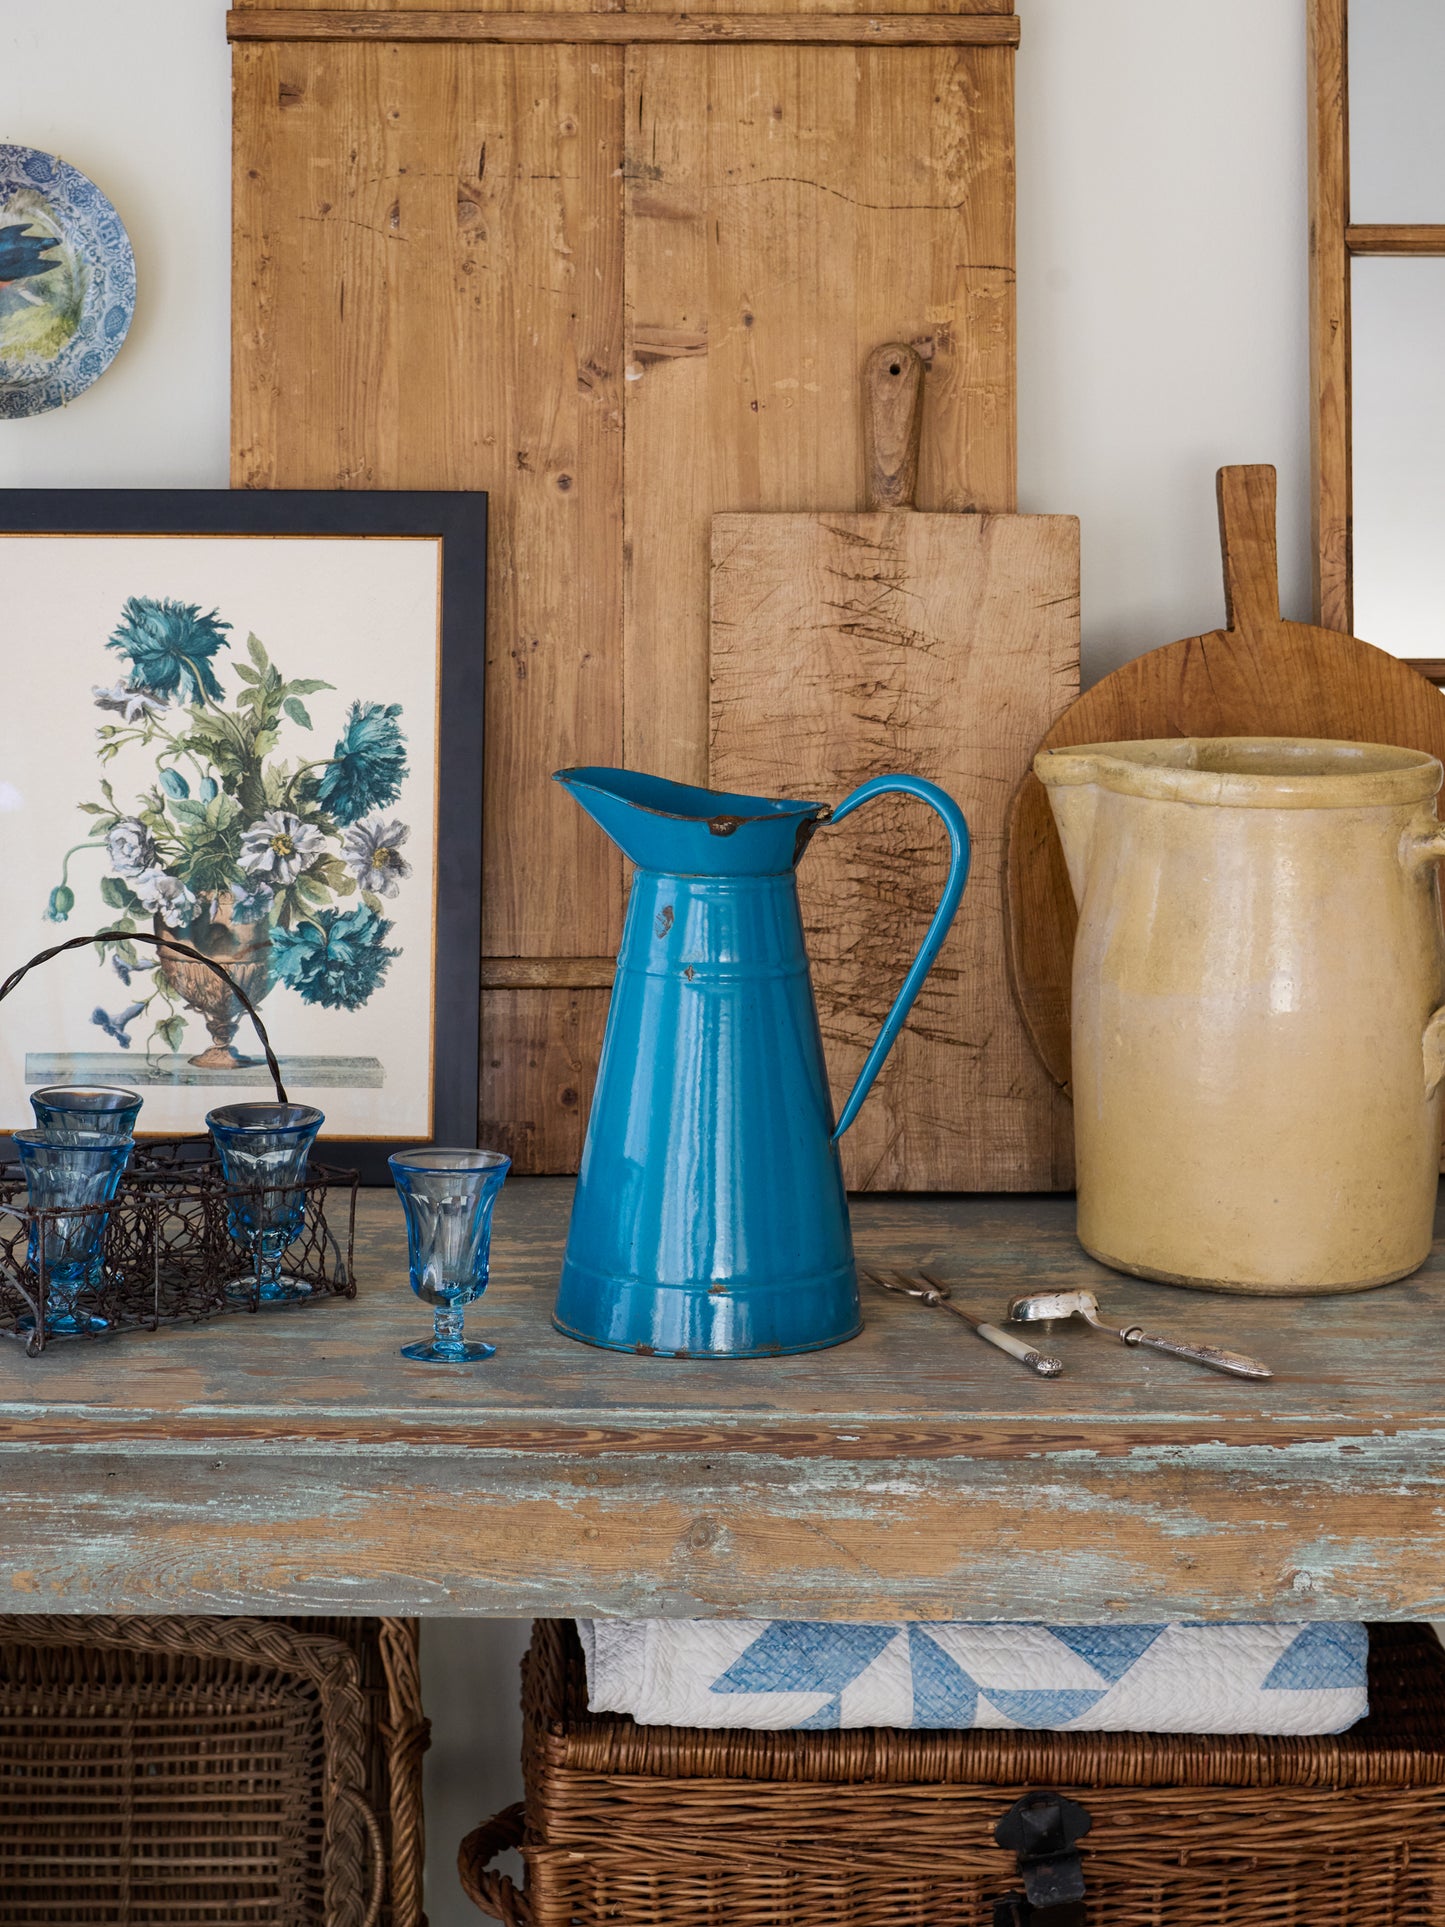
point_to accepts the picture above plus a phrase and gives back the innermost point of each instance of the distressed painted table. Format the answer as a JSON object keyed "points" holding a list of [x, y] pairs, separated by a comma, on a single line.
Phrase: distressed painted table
{"points": [[294, 1462]]}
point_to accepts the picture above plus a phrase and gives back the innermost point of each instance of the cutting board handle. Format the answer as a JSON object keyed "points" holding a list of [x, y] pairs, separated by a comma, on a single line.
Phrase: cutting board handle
{"points": [[892, 424], [1247, 537]]}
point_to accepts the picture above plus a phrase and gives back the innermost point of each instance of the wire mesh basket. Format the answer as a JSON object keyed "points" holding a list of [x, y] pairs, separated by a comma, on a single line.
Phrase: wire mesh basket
{"points": [[169, 1255]]}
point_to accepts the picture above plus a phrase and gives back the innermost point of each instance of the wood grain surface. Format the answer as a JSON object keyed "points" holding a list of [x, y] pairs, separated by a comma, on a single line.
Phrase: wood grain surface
{"points": [[444, 10], [1259, 676], [852, 646], [780, 29], [1399, 237], [1329, 200], [603, 283], [390, 203], [294, 1462], [750, 311]]}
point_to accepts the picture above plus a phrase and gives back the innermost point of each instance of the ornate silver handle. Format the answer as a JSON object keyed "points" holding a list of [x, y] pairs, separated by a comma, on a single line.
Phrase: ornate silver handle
{"points": [[1235, 1363]]}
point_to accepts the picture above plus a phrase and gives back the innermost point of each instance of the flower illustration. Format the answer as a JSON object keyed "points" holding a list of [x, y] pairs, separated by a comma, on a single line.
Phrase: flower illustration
{"points": [[280, 846], [231, 838], [116, 1026], [170, 645], [371, 850], [132, 847], [165, 897], [135, 705], [335, 959], [369, 764], [252, 904]]}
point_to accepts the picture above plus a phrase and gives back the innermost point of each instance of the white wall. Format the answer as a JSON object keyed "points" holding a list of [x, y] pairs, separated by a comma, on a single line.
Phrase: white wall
{"points": [[1162, 333], [1163, 280], [136, 93]]}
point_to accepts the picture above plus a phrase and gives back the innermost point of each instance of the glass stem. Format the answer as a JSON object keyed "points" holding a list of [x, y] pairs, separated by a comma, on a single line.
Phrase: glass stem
{"points": [[268, 1260], [447, 1327]]}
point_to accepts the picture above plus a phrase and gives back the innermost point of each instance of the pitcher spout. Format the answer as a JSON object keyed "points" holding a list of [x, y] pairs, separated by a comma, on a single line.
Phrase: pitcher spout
{"points": [[677, 829]]}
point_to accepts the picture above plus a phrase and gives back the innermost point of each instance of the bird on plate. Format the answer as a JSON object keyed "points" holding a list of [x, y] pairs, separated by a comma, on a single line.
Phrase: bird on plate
{"points": [[22, 256]]}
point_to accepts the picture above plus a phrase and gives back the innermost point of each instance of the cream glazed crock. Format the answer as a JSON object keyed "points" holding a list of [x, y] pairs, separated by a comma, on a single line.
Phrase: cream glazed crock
{"points": [[1258, 1040]]}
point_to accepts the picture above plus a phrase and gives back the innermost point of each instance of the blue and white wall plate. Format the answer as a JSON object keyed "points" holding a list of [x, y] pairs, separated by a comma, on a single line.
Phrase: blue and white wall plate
{"points": [[67, 282]]}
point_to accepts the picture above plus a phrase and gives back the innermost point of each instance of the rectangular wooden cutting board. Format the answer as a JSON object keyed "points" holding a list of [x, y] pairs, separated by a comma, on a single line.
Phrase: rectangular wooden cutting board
{"points": [[855, 645]]}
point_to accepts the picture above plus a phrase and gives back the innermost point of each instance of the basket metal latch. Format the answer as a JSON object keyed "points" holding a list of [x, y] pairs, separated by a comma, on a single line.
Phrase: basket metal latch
{"points": [[1043, 1830]]}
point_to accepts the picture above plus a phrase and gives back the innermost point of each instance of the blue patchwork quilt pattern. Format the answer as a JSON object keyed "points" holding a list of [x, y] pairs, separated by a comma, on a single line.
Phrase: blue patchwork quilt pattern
{"points": [[1271, 1678]]}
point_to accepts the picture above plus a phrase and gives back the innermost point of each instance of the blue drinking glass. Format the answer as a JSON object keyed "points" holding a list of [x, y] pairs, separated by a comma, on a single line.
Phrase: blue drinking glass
{"points": [[104, 1109], [448, 1198], [70, 1246], [264, 1150]]}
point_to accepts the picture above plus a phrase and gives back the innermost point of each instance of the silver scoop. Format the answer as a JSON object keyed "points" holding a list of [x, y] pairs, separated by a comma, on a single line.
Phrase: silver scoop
{"points": [[1045, 1307]]}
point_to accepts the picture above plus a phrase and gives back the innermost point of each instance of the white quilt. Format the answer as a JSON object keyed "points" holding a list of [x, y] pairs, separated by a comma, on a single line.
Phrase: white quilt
{"points": [[1276, 1678]]}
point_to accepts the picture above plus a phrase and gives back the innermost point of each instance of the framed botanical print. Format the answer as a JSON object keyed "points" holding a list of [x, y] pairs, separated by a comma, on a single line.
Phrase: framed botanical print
{"points": [[251, 720]]}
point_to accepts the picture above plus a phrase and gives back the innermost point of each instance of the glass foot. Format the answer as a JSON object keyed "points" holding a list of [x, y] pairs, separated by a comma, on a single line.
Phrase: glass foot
{"points": [[272, 1291], [453, 1351], [67, 1321]]}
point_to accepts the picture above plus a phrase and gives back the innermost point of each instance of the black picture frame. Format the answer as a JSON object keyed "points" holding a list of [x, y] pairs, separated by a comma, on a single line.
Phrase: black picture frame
{"points": [[459, 521]]}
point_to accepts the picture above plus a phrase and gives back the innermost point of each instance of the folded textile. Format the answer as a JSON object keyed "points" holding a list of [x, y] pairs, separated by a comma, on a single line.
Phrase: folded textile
{"points": [[1271, 1678]]}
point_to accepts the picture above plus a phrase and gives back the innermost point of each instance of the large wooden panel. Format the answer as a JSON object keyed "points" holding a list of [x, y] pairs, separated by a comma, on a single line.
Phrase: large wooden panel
{"points": [[432, 241], [393, 204], [429, 296], [539, 1064], [852, 646], [787, 210]]}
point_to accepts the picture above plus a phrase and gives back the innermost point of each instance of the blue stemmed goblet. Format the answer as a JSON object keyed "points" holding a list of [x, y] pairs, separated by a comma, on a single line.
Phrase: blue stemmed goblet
{"points": [[104, 1109], [69, 1182], [264, 1150], [448, 1198]]}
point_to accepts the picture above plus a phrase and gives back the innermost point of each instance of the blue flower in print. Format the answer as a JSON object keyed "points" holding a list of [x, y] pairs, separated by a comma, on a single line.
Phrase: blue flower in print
{"points": [[116, 1026], [332, 959], [253, 903], [227, 838], [368, 765], [170, 645]]}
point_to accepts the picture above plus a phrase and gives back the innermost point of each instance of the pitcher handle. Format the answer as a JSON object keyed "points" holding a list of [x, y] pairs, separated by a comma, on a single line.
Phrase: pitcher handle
{"points": [[958, 853]]}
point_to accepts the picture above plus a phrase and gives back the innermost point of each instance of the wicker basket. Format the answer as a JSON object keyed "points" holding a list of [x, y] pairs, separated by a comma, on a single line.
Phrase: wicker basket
{"points": [[669, 1827], [210, 1772]]}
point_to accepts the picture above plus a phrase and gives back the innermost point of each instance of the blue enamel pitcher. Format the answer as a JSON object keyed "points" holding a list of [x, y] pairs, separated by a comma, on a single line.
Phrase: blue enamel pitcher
{"points": [[710, 1218]]}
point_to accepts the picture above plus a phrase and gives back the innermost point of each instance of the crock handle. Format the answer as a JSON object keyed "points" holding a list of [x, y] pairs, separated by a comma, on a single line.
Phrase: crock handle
{"points": [[958, 854], [1420, 846], [1434, 1050]]}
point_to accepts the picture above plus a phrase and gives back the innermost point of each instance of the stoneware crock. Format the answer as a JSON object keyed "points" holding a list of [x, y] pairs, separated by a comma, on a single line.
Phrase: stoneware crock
{"points": [[1258, 1040]]}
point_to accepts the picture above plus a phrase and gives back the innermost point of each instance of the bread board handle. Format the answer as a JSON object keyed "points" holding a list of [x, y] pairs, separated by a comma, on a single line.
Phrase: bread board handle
{"points": [[893, 424]]}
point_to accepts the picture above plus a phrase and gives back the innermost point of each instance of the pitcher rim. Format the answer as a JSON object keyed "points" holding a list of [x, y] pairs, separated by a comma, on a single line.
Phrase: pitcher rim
{"points": [[1194, 769], [758, 809]]}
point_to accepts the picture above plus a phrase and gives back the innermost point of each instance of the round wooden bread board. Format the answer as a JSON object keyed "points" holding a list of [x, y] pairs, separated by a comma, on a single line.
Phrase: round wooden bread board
{"points": [[1258, 676]]}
